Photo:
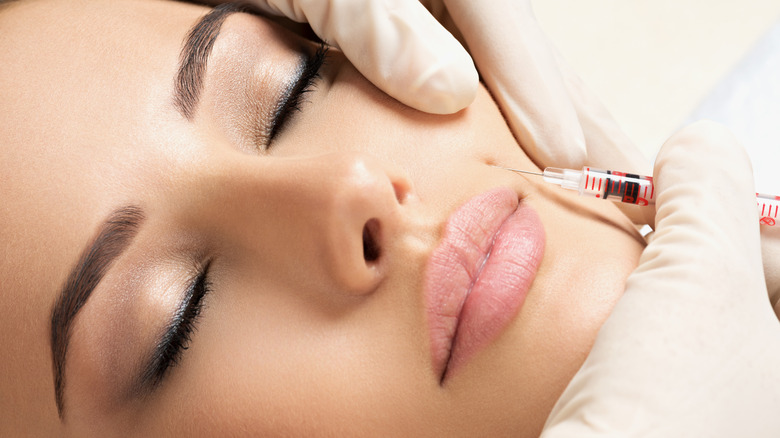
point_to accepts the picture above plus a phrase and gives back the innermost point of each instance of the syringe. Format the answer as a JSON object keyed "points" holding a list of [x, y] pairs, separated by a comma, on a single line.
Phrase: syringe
{"points": [[630, 188]]}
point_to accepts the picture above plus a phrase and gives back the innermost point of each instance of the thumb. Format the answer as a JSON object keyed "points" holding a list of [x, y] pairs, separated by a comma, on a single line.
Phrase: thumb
{"points": [[705, 212]]}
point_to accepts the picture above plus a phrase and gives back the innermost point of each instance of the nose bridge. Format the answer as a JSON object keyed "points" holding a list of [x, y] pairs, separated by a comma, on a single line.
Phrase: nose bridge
{"points": [[325, 215]]}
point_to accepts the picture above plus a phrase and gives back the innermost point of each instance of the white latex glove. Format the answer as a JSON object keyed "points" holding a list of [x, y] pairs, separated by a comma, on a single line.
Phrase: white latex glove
{"points": [[397, 44], [693, 347]]}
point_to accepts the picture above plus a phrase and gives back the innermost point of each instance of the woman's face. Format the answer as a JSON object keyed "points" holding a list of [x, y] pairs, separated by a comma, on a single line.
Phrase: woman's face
{"points": [[256, 273]]}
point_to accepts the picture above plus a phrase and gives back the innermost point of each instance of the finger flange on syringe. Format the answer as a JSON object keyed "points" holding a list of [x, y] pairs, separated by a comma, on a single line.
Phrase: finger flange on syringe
{"points": [[631, 188]]}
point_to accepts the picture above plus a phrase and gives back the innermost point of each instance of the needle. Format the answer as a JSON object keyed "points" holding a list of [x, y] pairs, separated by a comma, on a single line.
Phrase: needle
{"points": [[518, 170]]}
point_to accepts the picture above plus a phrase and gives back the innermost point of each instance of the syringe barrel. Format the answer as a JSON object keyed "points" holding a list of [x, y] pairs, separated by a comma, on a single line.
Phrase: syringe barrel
{"points": [[768, 207], [617, 186]]}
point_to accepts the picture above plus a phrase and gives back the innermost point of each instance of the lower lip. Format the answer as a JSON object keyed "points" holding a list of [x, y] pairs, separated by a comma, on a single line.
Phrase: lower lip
{"points": [[477, 278]]}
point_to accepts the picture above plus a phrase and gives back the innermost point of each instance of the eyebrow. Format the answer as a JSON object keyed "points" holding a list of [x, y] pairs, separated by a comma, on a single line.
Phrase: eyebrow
{"points": [[194, 57], [115, 235]]}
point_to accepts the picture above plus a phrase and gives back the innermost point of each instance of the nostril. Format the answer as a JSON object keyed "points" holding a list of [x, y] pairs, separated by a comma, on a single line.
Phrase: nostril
{"points": [[401, 189], [371, 250]]}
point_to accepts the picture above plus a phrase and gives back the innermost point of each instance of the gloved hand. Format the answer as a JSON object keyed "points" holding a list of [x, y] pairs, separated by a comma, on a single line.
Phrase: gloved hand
{"points": [[693, 347], [397, 44]]}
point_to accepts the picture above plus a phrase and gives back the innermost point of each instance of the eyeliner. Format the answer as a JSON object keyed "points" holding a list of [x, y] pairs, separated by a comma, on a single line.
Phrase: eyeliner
{"points": [[307, 74], [178, 332]]}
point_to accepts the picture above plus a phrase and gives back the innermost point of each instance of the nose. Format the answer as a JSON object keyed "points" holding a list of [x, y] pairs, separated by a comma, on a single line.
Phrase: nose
{"points": [[328, 217], [353, 202]]}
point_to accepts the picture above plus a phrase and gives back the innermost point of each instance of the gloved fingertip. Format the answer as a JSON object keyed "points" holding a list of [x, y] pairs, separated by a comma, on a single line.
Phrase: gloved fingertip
{"points": [[445, 87], [706, 147], [705, 191]]}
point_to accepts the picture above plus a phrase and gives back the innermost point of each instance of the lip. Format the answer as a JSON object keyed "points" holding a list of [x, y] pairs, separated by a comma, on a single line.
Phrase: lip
{"points": [[477, 278]]}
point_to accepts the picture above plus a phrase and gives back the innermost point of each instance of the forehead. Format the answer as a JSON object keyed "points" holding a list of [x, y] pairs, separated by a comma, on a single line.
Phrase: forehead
{"points": [[80, 85], [83, 64], [77, 77]]}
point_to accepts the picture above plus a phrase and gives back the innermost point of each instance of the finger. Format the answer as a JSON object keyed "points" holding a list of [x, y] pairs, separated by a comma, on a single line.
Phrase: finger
{"points": [[396, 44], [706, 205], [519, 68]]}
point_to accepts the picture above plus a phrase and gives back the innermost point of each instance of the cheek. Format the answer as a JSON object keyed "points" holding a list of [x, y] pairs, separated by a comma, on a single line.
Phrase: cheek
{"points": [[347, 113], [591, 250], [247, 369], [267, 361]]}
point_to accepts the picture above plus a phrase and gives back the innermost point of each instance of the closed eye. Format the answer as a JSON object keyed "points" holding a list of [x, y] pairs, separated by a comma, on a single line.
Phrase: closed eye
{"points": [[294, 95], [178, 332]]}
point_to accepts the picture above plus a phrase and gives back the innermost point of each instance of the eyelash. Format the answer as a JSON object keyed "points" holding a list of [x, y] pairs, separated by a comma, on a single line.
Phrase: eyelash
{"points": [[294, 95], [178, 333]]}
